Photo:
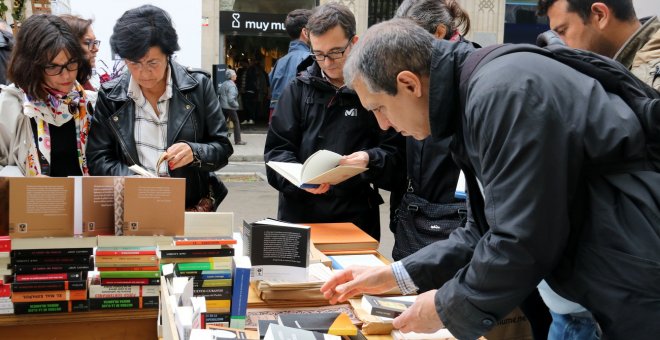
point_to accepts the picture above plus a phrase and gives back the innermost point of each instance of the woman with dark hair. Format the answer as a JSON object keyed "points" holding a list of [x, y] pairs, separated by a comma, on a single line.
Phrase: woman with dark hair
{"points": [[159, 107], [45, 113], [82, 29]]}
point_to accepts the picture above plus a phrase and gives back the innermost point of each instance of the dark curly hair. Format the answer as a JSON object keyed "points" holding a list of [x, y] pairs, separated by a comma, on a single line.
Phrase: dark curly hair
{"points": [[142, 28], [622, 9]]}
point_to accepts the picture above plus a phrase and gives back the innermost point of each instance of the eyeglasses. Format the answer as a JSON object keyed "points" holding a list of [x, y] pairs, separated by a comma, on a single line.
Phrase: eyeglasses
{"points": [[151, 65], [92, 43], [55, 69], [334, 55]]}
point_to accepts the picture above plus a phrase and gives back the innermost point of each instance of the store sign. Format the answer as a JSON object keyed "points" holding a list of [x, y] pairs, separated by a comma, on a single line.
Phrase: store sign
{"points": [[256, 23]]}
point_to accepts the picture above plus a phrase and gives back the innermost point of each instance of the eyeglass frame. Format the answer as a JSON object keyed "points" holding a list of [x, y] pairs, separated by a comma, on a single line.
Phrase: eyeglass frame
{"points": [[326, 55], [62, 67], [151, 65], [90, 43]]}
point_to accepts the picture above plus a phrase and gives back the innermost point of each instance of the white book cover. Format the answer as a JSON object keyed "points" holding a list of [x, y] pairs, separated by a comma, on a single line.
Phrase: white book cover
{"points": [[321, 167]]}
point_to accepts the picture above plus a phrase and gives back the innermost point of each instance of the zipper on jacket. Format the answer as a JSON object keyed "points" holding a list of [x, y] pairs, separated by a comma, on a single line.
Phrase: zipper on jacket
{"points": [[122, 144]]}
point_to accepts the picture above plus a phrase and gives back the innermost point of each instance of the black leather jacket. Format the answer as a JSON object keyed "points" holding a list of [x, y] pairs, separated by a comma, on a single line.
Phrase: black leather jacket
{"points": [[195, 118]]}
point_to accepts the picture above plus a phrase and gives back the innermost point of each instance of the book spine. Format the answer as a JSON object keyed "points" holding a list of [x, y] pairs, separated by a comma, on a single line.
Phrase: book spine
{"points": [[125, 269], [126, 258], [129, 274], [204, 266], [52, 252], [169, 253], [51, 307], [71, 276], [124, 303], [50, 268], [125, 252], [220, 292], [105, 292], [218, 304], [129, 281], [203, 242], [239, 295], [5, 290], [214, 283], [48, 285], [55, 295], [50, 260], [127, 264]]}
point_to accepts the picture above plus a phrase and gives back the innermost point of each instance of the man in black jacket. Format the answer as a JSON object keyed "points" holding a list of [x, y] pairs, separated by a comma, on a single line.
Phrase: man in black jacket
{"points": [[318, 112], [529, 128], [6, 44]]}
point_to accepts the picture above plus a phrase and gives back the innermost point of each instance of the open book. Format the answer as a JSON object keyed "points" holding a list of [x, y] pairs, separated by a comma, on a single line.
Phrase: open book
{"points": [[321, 167], [142, 171]]}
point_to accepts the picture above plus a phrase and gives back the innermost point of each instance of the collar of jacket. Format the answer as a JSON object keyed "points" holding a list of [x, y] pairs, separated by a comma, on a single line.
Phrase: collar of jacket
{"points": [[309, 72], [635, 42], [117, 90], [298, 45], [444, 102]]}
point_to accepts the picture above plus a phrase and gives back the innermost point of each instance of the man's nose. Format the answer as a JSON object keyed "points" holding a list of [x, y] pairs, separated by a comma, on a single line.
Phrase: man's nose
{"points": [[383, 122]]}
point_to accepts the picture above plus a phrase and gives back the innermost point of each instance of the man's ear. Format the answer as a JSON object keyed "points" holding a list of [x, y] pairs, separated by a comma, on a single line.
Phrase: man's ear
{"points": [[409, 82], [440, 31], [354, 40], [601, 15]]}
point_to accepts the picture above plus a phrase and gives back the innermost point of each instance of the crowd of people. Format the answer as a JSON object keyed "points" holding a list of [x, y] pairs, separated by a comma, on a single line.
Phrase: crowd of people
{"points": [[561, 220]]}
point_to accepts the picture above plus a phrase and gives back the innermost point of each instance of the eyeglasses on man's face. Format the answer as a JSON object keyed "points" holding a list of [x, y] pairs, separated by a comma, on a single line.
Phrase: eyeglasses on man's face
{"points": [[56, 69], [92, 44], [151, 65], [332, 55]]}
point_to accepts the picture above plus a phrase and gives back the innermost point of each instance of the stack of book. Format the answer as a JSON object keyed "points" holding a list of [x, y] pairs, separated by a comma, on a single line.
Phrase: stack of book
{"points": [[208, 261], [128, 278], [50, 274], [6, 306]]}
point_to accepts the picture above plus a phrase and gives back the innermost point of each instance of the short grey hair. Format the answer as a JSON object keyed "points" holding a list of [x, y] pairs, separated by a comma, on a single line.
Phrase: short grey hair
{"points": [[387, 49], [229, 73]]}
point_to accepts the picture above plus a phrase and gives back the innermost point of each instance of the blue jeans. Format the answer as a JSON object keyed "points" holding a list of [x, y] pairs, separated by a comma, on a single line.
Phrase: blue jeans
{"points": [[573, 327]]}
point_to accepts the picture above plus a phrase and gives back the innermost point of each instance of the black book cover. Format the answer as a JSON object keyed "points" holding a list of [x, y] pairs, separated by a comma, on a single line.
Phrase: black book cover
{"points": [[51, 260], [124, 303], [384, 307], [50, 268], [37, 286], [216, 293], [52, 252], [51, 307], [130, 281]]}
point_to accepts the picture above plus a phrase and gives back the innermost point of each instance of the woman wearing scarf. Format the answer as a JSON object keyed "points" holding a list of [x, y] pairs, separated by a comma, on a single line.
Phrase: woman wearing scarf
{"points": [[45, 114]]}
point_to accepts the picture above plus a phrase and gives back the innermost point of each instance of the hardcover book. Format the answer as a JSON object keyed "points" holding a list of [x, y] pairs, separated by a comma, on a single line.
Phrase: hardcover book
{"points": [[277, 250], [384, 307], [40, 207], [240, 291], [94, 209], [153, 206], [335, 323], [321, 167]]}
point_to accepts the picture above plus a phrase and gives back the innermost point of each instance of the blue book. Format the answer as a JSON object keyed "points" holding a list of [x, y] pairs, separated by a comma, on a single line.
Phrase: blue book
{"points": [[240, 290]]}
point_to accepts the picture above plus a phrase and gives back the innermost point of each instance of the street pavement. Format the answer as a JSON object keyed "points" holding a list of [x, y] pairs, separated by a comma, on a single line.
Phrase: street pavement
{"points": [[250, 196]]}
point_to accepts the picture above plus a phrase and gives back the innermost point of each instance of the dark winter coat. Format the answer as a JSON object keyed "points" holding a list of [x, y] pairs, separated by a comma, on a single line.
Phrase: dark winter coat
{"points": [[530, 126], [312, 115], [195, 118]]}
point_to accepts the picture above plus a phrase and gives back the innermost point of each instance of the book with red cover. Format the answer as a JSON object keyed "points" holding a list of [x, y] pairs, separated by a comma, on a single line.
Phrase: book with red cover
{"points": [[344, 237], [5, 244]]}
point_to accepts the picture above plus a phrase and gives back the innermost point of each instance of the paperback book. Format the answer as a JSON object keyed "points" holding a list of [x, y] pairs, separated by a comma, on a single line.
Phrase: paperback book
{"points": [[321, 167]]}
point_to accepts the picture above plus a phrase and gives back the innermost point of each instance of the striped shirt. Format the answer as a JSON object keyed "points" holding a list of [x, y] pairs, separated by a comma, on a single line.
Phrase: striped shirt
{"points": [[151, 128], [403, 279]]}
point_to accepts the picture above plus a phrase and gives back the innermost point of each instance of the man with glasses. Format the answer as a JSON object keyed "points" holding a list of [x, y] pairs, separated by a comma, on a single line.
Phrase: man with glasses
{"points": [[317, 111]]}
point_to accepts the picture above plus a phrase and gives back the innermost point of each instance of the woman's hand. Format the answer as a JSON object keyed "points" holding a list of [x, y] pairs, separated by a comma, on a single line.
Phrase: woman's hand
{"points": [[179, 155]]}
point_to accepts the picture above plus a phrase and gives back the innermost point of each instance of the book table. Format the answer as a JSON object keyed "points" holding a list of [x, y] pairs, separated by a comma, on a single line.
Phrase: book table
{"points": [[109, 324]]}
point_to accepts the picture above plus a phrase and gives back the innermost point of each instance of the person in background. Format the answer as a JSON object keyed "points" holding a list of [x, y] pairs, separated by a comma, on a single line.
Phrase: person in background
{"points": [[524, 142], [228, 94], [317, 111], [6, 44], [254, 89], [286, 67], [82, 29], [610, 28], [158, 107], [45, 113]]}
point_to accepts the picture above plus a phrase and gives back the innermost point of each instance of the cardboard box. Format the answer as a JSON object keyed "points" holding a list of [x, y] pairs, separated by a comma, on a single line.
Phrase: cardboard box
{"points": [[153, 206], [40, 207]]}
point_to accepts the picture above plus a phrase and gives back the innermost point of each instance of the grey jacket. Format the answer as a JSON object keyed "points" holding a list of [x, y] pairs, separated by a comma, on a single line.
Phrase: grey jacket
{"points": [[228, 93], [530, 126]]}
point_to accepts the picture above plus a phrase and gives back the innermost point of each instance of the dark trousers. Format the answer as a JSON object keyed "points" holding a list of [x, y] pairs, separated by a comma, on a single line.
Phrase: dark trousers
{"points": [[250, 105], [233, 116]]}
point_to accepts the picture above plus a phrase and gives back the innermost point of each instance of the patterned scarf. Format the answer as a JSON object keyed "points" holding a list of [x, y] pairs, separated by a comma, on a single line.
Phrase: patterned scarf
{"points": [[57, 109]]}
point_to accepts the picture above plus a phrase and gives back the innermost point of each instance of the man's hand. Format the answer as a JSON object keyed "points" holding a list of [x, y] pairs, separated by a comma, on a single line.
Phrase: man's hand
{"points": [[358, 279], [360, 159], [178, 155], [421, 317], [322, 189]]}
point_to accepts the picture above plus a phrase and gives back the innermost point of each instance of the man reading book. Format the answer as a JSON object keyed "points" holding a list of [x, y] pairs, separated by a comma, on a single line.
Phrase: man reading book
{"points": [[316, 112]]}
